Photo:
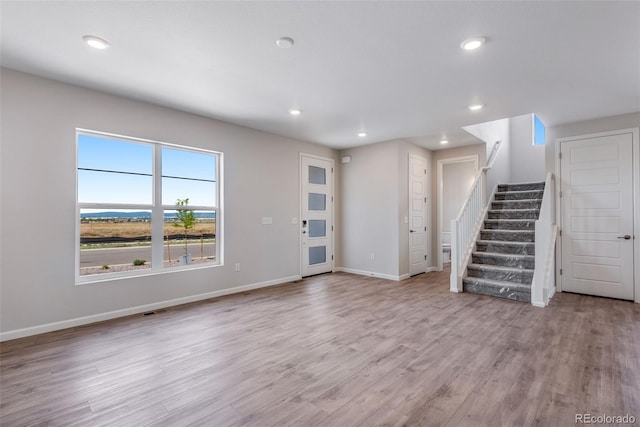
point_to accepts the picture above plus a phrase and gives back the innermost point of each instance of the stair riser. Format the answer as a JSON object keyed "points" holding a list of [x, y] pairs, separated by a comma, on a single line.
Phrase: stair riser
{"points": [[503, 261], [520, 225], [505, 249], [504, 292], [510, 276], [519, 196], [521, 187], [515, 204], [505, 236], [505, 214]]}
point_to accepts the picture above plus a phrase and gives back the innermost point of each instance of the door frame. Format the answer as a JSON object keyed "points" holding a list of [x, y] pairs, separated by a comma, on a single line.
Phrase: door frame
{"points": [[439, 187], [332, 213], [635, 147], [427, 208]]}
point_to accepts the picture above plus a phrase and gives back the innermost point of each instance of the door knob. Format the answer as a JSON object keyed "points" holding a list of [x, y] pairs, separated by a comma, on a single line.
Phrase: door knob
{"points": [[412, 231], [625, 237]]}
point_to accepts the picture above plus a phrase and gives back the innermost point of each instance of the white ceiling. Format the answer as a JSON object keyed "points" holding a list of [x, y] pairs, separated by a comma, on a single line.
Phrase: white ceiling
{"points": [[393, 69]]}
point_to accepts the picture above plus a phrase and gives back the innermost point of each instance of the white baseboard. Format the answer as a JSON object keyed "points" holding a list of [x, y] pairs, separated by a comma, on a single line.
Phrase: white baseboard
{"points": [[372, 274], [552, 292], [64, 324], [380, 275]]}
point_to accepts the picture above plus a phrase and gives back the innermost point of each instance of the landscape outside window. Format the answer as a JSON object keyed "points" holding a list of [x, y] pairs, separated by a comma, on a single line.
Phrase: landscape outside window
{"points": [[125, 187]]}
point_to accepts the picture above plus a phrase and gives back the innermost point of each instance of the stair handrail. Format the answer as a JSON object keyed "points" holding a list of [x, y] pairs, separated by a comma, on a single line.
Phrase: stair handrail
{"points": [[546, 231], [467, 225], [492, 156]]}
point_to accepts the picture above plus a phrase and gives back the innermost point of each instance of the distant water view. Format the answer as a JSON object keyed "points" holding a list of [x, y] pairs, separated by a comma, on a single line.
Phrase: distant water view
{"points": [[139, 214]]}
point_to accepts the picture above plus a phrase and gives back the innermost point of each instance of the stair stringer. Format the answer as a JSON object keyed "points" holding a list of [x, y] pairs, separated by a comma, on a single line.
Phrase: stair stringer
{"points": [[543, 284]]}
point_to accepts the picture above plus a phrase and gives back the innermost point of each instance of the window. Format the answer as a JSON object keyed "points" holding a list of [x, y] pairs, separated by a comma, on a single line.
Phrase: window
{"points": [[144, 206], [539, 131]]}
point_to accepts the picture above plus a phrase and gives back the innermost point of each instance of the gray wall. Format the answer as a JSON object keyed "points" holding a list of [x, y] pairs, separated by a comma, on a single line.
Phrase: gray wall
{"points": [[457, 179], [375, 200], [38, 122], [369, 214], [604, 124], [491, 132], [527, 160]]}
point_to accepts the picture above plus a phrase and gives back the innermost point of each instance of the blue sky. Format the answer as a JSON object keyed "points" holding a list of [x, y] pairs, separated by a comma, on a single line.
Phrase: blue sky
{"points": [[539, 132], [109, 154]]}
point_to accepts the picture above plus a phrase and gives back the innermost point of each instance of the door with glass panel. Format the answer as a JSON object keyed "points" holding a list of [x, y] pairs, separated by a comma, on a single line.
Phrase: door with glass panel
{"points": [[316, 223]]}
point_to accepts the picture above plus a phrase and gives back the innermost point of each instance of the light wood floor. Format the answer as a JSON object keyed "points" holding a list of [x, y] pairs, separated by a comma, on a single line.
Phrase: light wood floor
{"points": [[334, 350]]}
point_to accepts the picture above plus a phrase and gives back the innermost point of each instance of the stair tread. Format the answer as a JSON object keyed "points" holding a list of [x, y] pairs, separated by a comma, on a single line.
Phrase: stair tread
{"points": [[518, 191], [515, 210], [515, 193], [499, 268], [518, 210], [506, 242], [502, 230], [501, 255], [511, 219], [516, 201], [520, 184], [498, 283]]}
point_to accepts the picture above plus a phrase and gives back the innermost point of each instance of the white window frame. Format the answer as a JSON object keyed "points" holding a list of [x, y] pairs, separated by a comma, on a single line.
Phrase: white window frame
{"points": [[157, 209]]}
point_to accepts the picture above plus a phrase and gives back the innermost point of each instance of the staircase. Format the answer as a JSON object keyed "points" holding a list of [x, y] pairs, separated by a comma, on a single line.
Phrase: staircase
{"points": [[503, 261]]}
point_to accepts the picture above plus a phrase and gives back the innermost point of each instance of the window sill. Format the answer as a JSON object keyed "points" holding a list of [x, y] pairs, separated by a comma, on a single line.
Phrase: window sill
{"points": [[109, 277]]}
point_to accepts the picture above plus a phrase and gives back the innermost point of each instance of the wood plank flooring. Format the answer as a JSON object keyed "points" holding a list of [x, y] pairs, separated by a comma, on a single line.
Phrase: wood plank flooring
{"points": [[334, 350]]}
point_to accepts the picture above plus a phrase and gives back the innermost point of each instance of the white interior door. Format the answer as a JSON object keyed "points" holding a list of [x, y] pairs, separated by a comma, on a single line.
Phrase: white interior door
{"points": [[417, 215], [316, 223], [597, 215]]}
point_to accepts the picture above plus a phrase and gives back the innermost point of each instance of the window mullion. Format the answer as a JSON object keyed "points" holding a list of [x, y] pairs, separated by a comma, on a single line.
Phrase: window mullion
{"points": [[219, 198], [190, 207], [114, 184], [115, 206], [157, 223]]}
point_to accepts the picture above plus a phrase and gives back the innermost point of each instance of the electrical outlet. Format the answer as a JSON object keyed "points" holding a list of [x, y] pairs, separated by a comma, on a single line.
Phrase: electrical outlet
{"points": [[373, 256], [237, 268], [294, 220]]}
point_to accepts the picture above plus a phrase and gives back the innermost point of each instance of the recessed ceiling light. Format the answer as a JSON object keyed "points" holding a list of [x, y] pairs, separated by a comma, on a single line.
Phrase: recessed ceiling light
{"points": [[295, 112], [284, 42], [444, 141], [362, 134], [95, 42], [475, 107], [473, 43]]}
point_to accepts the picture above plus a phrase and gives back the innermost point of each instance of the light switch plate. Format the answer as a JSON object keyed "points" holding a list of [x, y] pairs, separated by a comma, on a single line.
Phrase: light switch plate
{"points": [[267, 220]]}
